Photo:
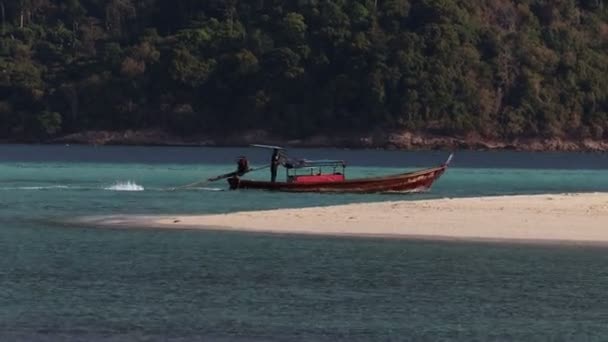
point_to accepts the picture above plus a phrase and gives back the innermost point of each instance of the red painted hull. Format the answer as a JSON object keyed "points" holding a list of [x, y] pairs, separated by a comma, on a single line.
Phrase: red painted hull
{"points": [[405, 182]]}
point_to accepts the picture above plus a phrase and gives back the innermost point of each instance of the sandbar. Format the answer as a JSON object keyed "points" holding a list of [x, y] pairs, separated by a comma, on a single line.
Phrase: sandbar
{"points": [[577, 217]]}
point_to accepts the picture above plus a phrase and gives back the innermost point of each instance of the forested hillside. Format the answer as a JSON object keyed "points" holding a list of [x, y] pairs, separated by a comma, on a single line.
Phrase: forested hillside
{"points": [[497, 68]]}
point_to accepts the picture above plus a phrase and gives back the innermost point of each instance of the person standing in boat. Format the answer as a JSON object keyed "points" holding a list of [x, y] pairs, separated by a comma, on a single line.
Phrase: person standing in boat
{"points": [[275, 160]]}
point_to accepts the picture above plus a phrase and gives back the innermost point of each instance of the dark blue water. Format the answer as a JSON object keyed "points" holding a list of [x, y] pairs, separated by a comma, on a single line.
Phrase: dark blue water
{"points": [[68, 282], [375, 158]]}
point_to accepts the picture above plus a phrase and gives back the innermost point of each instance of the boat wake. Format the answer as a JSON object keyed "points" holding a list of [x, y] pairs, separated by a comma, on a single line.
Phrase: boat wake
{"points": [[207, 189], [117, 186], [125, 186], [48, 187]]}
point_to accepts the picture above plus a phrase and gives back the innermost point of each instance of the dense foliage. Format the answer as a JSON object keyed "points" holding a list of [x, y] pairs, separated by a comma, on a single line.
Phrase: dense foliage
{"points": [[499, 68]]}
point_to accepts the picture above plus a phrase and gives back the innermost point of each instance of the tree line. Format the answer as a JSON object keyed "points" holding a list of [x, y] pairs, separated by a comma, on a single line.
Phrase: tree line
{"points": [[498, 68]]}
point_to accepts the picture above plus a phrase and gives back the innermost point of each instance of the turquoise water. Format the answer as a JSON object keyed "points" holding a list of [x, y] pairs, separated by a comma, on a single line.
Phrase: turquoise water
{"points": [[60, 281]]}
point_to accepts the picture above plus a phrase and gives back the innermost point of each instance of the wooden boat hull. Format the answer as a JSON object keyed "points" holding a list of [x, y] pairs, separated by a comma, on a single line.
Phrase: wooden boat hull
{"points": [[400, 183]]}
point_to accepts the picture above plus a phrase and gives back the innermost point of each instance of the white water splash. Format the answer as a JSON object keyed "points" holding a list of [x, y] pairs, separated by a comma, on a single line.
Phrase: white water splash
{"points": [[125, 186]]}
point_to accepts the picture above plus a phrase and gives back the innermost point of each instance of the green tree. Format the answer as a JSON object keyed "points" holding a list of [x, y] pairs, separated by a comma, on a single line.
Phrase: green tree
{"points": [[188, 70]]}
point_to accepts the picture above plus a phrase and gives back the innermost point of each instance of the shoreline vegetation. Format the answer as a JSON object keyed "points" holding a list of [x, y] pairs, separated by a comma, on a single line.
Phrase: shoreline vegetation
{"points": [[577, 218], [524, 74], [377, 140]]}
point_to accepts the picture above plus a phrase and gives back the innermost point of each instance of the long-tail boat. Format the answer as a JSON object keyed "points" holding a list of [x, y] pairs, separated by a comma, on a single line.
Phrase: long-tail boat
{"points": [[307, 176]]}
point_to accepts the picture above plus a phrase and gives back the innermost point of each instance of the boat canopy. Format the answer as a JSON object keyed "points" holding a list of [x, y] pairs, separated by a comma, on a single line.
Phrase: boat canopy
{"points": [[272, 147], [305, 163]]}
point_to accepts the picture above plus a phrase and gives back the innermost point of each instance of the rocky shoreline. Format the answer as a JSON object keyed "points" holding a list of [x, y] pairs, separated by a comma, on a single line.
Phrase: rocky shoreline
{"points": [[377, 140]]}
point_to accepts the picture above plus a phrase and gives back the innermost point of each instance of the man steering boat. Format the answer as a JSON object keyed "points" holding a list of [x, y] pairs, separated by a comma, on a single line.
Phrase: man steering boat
{"points": [[275, 160]]}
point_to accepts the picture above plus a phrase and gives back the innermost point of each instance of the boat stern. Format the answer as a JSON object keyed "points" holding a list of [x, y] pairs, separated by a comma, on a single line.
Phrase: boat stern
{"points": [[233, 182]]}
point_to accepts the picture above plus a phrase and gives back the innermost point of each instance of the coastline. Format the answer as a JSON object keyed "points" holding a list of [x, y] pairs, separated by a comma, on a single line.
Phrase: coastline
{"points": [[547, 219], [402, 140]]}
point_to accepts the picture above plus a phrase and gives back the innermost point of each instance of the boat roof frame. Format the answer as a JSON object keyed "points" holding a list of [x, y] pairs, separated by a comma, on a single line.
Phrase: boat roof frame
{"points": [[271, 147]]}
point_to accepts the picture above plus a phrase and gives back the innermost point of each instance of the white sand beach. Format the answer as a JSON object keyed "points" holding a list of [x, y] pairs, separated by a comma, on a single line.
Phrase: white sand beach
{"points": [[565, 217]]}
